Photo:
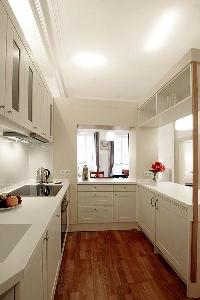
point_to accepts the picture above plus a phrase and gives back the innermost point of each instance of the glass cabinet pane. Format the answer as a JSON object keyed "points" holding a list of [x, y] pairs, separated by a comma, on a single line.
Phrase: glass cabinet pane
{"points": [[30, 95], [51, 117], [15, 77]]}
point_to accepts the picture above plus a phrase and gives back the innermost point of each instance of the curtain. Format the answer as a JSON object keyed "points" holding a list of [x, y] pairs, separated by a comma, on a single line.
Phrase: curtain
{"points": [[111, 163], [96, 142]]}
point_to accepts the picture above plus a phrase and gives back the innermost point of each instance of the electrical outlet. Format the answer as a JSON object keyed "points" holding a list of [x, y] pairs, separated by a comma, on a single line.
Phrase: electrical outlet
{"points": [[64, 172]]}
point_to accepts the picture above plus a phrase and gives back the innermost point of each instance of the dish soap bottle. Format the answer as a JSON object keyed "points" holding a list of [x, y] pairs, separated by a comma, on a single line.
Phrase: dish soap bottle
{"points": [[85, 173]]}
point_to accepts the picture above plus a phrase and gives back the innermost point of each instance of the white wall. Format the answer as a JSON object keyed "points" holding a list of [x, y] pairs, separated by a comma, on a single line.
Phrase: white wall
{"points": [[166, 150], [13, 162], [19, 161], [68, 113], [146, 149]]}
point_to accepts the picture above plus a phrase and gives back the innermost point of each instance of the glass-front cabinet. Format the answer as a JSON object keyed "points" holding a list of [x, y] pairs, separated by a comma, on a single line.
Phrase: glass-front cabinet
{"points": [[15, 64]]}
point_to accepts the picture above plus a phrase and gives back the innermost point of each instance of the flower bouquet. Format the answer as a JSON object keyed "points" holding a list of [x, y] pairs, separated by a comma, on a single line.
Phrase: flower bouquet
{"points": [[156, 167]]}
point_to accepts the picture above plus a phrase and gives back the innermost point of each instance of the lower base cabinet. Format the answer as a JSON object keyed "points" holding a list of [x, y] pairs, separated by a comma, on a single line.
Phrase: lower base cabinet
{"points": [[146, 212], [166, 224], [172, 234], [40, 276], [124, 207], [109, 203]]}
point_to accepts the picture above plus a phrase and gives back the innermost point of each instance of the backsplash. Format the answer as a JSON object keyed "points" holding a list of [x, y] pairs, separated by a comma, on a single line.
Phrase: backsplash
{"points": [[20, 161]]}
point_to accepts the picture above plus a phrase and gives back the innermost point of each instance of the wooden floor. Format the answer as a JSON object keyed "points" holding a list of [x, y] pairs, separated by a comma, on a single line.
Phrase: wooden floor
{"points": [[115, 265]]}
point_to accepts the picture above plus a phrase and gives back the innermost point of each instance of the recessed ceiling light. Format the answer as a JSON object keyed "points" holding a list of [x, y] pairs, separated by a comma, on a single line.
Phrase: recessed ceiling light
{"points": [[89, 60], [185, 123], [161, 30]]}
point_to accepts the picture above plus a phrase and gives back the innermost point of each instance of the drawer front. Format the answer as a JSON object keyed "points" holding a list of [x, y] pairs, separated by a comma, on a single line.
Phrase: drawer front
{"points": [[95, 198], [125, 188], [95, 214], [95, 187]]}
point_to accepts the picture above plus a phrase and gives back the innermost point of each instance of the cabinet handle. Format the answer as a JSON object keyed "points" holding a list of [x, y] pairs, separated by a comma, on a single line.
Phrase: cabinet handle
{"points": [[10, 111], [34, 126], [152, 201], [156, 206], [46, 238], [58, 216], [2, 106]]}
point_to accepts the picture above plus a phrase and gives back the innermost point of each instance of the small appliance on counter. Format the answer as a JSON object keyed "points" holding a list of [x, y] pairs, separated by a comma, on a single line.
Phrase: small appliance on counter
{"points": [[43, 175], [85, 173]]}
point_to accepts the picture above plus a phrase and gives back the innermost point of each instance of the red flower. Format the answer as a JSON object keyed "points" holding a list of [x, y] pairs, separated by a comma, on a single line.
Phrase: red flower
{"points": [[157, 167]]}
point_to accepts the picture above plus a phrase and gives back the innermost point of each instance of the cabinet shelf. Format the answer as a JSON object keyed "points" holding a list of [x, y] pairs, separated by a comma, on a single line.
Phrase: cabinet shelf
{"points": [[171, 114], [171, 102]]}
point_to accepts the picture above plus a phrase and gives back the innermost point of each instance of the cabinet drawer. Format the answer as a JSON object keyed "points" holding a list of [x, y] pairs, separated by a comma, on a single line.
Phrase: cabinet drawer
{"points": [[95, 198], [95, 187], [125, 188], [95, 214]]}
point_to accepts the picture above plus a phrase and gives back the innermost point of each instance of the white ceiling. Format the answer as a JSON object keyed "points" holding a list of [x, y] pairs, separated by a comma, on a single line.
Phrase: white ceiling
{"points": [[119, 31]]}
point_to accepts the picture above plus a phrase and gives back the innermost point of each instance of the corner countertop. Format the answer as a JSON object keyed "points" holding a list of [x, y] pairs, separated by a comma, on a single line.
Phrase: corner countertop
{"points": [[107, 181], [37, 213]]}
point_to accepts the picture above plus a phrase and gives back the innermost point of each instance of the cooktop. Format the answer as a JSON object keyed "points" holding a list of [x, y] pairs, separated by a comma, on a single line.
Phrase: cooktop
{"points": [[39, 190]]}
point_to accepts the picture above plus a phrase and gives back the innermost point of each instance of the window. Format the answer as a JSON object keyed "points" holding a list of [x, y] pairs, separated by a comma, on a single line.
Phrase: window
{"points": [[121, 153], [86, 151]]}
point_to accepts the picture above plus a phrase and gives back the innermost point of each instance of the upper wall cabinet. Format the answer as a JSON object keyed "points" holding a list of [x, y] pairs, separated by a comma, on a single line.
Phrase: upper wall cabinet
{"points": [[24, 98], [3, 29], [173, 97], [15, 80]]}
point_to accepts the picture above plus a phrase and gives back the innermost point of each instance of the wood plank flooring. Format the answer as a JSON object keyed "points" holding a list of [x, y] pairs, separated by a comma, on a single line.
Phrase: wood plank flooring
{"points": [[115, 265]]}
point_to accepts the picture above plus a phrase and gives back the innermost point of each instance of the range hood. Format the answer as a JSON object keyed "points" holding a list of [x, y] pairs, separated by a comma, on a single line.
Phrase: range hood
{"points": [[17, 136]]}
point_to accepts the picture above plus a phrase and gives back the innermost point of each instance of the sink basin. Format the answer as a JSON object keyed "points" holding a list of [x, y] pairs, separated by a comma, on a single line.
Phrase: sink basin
{"points": [[10, 235]]}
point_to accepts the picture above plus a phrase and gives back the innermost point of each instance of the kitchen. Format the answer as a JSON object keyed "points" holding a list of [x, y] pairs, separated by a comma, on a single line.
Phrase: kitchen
{"points": [[105, 237]]}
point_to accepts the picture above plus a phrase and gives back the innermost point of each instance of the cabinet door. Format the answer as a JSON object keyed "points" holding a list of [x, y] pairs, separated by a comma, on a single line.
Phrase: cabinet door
{"points": [[146, 210], [53, 252], [15, 84], [50, 118], [37, 104], [3, 31], [172, 234], [30, 94], [9, 295], [31, 287], [125, 207]]}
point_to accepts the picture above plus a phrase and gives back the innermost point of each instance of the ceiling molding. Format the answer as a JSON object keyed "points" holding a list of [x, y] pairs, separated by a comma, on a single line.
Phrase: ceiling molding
{"points": [[48, 21]]}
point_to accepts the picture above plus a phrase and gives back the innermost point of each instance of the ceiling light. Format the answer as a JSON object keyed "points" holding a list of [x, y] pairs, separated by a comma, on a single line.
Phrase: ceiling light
{"points": [[88, 60], [185, 123], [161, 31], [110, 136]]}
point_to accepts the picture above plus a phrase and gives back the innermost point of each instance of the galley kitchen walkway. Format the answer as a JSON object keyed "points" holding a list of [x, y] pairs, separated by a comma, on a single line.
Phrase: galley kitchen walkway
{"points": [[115, 265]]}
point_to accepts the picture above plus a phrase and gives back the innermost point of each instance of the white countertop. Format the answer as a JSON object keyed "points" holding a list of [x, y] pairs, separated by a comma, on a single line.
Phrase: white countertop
{"points": [[180, 193], [107, 181], [36, 211]]}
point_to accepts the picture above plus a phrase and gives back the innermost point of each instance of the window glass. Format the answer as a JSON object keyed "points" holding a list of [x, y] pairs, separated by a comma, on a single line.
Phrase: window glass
{"points": [[15, 77], [86, 151], [121, 153], [30, 95]]}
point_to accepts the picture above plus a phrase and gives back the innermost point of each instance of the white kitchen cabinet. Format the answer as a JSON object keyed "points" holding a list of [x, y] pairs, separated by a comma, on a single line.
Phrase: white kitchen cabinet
{"points": [[33, 285], [9, 295], [3, 30], [124, 206], [50, 118], [15, 77], [172, 234], [95, 214], [53, 252], [146, 212]]}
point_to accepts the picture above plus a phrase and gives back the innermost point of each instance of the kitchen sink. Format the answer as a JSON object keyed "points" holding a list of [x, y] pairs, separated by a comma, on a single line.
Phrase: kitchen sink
{"points": [[39, 190], [10, 235]]}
